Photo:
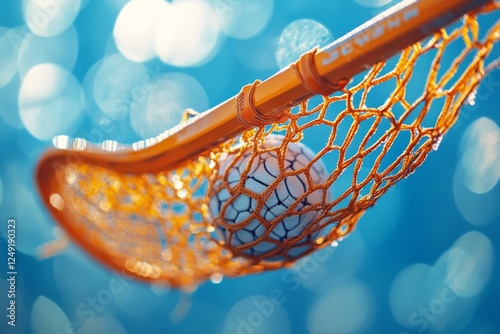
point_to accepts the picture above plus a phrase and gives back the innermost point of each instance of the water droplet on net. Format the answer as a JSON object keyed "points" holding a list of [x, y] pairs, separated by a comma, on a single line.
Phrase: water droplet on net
{"points": [[437, 142], [471, 98], [216, 278]]}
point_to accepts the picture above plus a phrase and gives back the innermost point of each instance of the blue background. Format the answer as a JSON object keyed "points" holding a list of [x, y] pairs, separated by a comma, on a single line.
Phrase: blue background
{"points": [[389, 276]]}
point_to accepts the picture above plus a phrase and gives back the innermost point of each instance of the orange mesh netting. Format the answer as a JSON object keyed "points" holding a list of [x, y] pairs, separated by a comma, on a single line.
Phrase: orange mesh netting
{"points": [[373, 133]]}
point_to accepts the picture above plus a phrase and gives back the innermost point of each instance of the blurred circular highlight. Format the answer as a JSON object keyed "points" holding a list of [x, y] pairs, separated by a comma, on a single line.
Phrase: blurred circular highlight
{"points": [[135, 28], [47, 317], [257, 53], [243, 19], [481, 155], [160, 103], [424, 297], [134, 294], [91, 109], [187, 33], [409, 291], [373, 3], [35, 229], [476, 177], [259, 314], [48, 18], [104, 324], [346, 307], [298, 37], [468, 264], [116, 82], [9, 100], [8, 56], [69, 268], [50, 101], [61, 50]]}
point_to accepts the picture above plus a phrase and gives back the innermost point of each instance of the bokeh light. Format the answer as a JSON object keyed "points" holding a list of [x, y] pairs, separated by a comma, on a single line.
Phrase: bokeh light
{"points": [[135, 28], [24, 206], [258, 53], [91, 109], [410, 290], [160, 289], [115, 5], [116, 84], [187, 33], [444, 296], [243, 19], [9, 104], [298, 37], [50, 18], [8, 56], [478, 172], [346, 307], [61, 50], [104, 324], [373, 3], [477, 209], [50, 101], [69, 268], [134, 294], [258, 314], [481, 155], [191, 323], [35, 229], [161, 101], [468, 264]]}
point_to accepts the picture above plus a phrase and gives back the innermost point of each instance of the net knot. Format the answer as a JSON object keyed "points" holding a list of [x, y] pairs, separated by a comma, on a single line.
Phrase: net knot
{"points": [[248, 115], [306, 71]]}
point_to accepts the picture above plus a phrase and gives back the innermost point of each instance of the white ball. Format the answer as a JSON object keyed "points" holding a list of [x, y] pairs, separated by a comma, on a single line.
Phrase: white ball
{"points": [[241, 208]]}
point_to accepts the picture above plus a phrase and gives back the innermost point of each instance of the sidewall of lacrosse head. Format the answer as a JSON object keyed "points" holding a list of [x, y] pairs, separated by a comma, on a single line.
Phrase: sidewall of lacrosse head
{"points": [[265, 204]]}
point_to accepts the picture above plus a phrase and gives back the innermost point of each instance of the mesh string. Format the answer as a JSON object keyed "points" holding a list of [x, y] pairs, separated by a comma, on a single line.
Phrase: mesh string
{"points": [[373, 133]]}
